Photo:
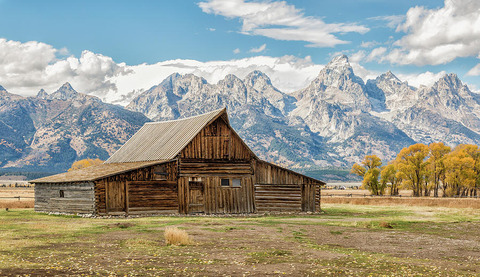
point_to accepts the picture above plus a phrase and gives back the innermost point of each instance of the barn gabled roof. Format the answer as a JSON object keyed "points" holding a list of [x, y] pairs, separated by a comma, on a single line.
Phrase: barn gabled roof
{"points": [[96, 172], [165, 139]]}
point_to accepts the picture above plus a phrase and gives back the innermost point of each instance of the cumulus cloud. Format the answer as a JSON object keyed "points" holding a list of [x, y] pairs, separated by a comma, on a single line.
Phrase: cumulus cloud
{"points": [[438, 36], [423, 79], [27, 67], [281, 21], [236, 51], [376, 53], [259, 49], [475, 71]]}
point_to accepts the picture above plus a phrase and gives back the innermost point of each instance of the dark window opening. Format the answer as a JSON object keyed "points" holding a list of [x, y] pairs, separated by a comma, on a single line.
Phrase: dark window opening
{"points": [[225, 182], [62, 194]]}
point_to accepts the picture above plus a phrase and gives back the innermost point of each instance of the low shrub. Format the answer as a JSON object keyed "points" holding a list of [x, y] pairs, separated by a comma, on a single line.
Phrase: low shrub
{"points": [[175, 236]]}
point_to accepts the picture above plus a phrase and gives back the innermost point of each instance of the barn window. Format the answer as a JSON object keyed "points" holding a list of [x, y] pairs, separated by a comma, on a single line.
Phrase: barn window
{"points": [[231, 183], [62, 193], [236, 183], [225, 182]]}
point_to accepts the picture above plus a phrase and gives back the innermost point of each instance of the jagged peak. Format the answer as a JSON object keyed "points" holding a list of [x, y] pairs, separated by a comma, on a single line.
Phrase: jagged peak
{"points": [[255, 75], [341, 59], [388, 76], [66, 86], [230, 78], [42, 94], [451, 80]]}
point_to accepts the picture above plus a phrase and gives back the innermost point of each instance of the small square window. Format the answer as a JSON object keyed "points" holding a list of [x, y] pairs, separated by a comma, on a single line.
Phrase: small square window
{"points": [[62, 194], [236, 183], [225, 182]]}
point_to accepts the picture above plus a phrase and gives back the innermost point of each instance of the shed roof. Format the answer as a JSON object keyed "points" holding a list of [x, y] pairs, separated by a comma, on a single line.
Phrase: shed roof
{"points": [[163, 140], [96, 172]]}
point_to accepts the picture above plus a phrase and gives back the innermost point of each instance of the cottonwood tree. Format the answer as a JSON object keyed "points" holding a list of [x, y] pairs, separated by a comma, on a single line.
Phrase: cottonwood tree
{"points": [[390, 175], [460, 172], [84, 163], [370, 171], [412, 165], [436, 167]]}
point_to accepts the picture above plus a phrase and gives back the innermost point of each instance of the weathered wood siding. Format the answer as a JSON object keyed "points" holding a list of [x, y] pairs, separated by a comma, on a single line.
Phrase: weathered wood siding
{"points": [[217, 199], [279, 189], [267, 173], [111, 192], [152, 196], [216, 153], [285, 198], [216, 141], [77, 197]]}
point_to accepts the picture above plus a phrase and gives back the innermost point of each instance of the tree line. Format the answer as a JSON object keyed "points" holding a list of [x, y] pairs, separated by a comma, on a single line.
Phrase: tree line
{"points": [[425, 169]]}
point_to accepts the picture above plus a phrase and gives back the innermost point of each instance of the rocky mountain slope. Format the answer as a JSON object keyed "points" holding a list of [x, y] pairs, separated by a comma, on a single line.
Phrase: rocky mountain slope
{"points": [[50, 131], [335, 121]]}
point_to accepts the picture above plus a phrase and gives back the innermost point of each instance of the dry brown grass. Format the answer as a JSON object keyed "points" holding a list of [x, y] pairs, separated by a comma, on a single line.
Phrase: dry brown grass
{"points": [[405, 201], [175, 236], [12, 204]]}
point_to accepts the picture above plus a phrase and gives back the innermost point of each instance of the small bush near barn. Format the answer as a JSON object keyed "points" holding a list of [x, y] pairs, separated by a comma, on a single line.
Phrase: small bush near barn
{"points": [[175, 236]]}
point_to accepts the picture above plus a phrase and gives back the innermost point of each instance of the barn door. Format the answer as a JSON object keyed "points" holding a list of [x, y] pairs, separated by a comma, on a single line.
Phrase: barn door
{"points": [[196, 197], [115, 196]]}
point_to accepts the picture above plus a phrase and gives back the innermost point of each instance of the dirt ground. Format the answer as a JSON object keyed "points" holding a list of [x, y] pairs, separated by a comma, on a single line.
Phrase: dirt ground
{"points": [[345, 240]]}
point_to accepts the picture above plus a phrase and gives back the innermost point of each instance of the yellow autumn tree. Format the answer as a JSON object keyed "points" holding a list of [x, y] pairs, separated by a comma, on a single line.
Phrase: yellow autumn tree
{"points": [[370, 171], [436, 166], [459, 172], [412, 166], [84, 163], [389, 176]]}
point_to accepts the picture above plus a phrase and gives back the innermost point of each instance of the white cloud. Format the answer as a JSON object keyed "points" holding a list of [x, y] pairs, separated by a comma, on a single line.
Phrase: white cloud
{"points": [[27, 67], [368, 44], [259, 49], [211, 29], [423, 79], [438, 36], [376, 53], [392, 20], [475, 71], [236, 51], [281, 21]]}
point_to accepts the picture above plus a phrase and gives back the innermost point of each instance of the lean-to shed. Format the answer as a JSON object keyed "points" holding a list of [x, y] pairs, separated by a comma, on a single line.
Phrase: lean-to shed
{"points": [[192, 165]]}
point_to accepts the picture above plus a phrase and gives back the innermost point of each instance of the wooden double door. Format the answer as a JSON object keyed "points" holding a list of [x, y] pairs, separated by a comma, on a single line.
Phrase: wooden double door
{"points": [[142, 196]]}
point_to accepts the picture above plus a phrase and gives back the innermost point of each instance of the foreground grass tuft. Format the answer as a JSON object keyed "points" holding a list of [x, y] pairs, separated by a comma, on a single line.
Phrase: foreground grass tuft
{"points": [[175, 236]]}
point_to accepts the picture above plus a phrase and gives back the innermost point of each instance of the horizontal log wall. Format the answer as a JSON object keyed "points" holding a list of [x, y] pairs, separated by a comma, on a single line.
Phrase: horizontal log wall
{"points": [[77, 198], [266, 173], [217, 142], [218, 199], [160, 196], [278, 198], [168, 173]]}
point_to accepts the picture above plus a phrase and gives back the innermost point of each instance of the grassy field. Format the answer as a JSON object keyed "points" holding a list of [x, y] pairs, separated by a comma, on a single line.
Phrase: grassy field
{"points": [[346, 240]]}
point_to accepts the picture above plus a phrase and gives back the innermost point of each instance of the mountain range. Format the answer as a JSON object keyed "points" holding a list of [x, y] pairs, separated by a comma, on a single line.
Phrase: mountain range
{"points": [[335, 121]]}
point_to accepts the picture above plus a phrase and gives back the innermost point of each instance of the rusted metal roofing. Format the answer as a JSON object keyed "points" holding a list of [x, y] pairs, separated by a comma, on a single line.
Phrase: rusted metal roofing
{"points": [[162, 140], [95, 172]]}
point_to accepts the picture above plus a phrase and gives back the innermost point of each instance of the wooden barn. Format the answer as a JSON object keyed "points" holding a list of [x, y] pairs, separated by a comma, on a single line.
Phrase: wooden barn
{"points": [[186, 166]]}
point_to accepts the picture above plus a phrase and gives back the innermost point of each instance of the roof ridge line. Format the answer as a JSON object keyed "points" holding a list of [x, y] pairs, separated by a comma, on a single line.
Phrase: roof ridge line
{"points": [[187, 118]]}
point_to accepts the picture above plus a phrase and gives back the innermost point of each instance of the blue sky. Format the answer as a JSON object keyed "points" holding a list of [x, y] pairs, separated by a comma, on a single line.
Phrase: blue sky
{"points": [[100, 45]]}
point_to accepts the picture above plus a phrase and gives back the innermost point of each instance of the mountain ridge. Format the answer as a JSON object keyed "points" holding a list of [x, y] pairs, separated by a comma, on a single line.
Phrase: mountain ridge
{"points": [[334, 121]]}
